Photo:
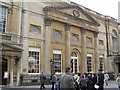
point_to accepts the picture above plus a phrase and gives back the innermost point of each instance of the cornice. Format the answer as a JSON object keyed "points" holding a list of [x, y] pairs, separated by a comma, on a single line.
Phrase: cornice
{"points": [[56, 8]]}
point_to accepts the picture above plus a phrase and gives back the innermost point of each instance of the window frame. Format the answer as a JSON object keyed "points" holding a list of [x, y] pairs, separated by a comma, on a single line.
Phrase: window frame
{"points": [[91, 56], [57, 51], [5, 20], [114, 40], [101, 57], [34, 49]]}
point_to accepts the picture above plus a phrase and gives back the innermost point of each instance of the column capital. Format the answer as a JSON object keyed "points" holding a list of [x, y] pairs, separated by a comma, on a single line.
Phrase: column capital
{"points": [[95, 34], [83, 30], [48, 21], [67, 26]]}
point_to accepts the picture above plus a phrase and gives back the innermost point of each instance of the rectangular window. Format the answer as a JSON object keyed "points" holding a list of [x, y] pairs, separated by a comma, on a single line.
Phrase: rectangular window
{"points": [[34, 60], [3, 18], [57, 58], [101, 61], [89, 62]]}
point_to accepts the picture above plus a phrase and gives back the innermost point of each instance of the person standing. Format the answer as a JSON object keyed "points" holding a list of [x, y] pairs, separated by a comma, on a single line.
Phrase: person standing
{"points": [[83, 83], [53, 80], [66, 81], [100, 80], [90, 85], [106, 77], [42, 80], [118, 81]]}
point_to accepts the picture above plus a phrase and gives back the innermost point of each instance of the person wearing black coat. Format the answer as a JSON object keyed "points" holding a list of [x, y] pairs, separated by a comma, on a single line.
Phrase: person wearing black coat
{"points": [[101, 80], [95, 80], [42, 80], [90, 85]]}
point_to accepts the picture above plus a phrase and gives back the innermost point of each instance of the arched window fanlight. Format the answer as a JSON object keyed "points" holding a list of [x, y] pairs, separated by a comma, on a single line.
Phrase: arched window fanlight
{"points": [[74, 54], [74, 37], [89, 40], [57, 34], [114, 33]]}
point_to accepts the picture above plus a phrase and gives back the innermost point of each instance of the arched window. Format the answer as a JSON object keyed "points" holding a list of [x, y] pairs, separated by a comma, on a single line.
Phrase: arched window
{"points": [[89, 40], [74, 37], [114, 40], [57, 34]]}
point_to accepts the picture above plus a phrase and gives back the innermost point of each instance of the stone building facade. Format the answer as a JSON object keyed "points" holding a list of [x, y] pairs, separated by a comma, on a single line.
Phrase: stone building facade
{"points": [[48, 36]]}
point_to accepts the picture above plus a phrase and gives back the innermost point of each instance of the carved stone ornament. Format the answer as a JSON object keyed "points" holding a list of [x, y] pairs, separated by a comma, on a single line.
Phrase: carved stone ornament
{"points": [[67, 26], [76, 13], [48, 21], [95, 34], [83, 30]]}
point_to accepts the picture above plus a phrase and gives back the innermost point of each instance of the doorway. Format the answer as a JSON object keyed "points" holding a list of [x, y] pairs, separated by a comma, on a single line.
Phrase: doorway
{"points": [[4, 69]]}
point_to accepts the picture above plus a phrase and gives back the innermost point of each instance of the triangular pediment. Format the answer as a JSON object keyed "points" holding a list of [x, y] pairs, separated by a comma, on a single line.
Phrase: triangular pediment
{"points": [[73, 11]]}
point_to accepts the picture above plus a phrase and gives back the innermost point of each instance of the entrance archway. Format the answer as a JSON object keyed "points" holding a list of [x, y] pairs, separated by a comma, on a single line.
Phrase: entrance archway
{"points": [[4, 69]]}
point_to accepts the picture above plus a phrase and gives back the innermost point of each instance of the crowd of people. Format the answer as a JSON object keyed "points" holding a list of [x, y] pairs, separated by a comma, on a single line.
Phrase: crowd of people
{"points": [[70, 81]]}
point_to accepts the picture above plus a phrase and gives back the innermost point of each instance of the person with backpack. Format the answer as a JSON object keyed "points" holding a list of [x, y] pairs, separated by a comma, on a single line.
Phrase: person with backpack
{"points": [[90, 85], [77, 82], [118, 81], [53, 80], [83, 83]]}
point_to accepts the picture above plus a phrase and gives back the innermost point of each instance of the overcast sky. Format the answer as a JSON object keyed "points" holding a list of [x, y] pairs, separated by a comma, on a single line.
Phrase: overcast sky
{"points": [[105, 7]]}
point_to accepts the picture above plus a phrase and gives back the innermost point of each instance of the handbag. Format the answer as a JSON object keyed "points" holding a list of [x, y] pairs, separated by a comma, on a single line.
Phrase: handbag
{"points": [[96, 86]]}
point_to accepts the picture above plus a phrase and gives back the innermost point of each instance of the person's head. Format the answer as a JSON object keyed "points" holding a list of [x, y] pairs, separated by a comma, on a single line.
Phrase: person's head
{"points": [[79, 74], [119, 74], [68, 70], [100, 70], [42, 72]]}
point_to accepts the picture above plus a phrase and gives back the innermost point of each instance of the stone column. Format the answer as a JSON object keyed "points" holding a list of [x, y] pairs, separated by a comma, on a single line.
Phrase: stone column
{"points": [[48, 29], [83, 50], [96, 60], [67, 44], [11, 70]]}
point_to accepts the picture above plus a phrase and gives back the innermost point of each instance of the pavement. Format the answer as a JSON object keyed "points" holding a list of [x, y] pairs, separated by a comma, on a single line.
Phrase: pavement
{"points": [[112, 85]]}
